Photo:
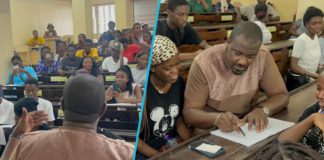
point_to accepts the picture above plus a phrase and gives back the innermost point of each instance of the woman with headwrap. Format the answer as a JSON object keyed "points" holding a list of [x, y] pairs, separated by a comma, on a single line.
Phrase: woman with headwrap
{"points": [[162, 124]]}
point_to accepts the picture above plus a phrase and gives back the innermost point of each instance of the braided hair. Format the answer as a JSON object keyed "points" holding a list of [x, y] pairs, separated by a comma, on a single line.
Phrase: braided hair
{"points": [[285, 151]]}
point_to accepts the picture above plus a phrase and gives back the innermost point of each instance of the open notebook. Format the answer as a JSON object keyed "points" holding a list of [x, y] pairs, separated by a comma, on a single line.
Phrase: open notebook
{"points": [[251, 138]]}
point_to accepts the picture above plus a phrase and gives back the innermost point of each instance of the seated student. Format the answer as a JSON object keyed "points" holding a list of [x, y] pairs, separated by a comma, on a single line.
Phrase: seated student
{"points": [[221, 7], [310, 129], [36, 40], [321, 42], [147, 38], [297, 28], [108, 35], [31, 90], [60, 51], [89, 65], [145, 28], [127, 91], [306, 53], [224, 80], [51, 33], [176, 28], [117, 35], [162, 121], [272, 14], [111, 64], [88, 50], [200, 6], [44, 51], [81, 115], [47, 66], [136, 36], [130, 50], [30, 104], [81, 38], [7, 114], [139, 73], [260, 11], [70, 63], [20, 73]]}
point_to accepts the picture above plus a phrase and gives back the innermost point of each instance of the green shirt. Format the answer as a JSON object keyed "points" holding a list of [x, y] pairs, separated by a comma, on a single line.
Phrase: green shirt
{"points": [[195, 7]]}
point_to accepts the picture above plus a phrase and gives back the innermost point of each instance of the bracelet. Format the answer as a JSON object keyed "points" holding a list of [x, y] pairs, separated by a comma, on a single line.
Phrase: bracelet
{"points": [[217, 118], [15, 135]]}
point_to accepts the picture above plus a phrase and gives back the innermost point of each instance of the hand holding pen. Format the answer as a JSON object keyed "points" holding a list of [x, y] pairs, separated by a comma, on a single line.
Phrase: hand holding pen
{"points": [[228, 122]]}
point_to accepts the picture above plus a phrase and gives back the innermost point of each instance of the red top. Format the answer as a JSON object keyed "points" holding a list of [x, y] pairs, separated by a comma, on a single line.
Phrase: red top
{"points": [[131, 51]]}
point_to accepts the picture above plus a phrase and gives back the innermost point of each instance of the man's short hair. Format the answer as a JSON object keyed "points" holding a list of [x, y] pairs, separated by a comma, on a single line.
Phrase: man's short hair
{"points": [[31, 81], [173, 4], [15, 57], [29, 103], [310, 13], [251, 32], [83, 99], [260, 7]]}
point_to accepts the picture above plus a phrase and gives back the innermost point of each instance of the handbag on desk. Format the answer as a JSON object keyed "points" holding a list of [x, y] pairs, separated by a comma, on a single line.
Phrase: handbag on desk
{"points": [[295, 81]]}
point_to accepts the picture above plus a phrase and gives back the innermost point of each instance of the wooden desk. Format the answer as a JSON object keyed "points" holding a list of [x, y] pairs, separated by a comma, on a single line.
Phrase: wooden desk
{"points": [[51, 43], [279, 30], [299, 100], [279, 51]]}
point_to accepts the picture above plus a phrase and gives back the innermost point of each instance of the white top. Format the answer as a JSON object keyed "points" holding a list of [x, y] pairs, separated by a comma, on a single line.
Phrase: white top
{"points": [[7, 113], [248, 11], [321, 42], [266, 35], [47, 107], [308, 52], [139, 76], [110, 65]]}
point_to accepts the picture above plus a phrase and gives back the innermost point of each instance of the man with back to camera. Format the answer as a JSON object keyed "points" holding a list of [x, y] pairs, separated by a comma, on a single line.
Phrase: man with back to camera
{"points": [[77, 138]]}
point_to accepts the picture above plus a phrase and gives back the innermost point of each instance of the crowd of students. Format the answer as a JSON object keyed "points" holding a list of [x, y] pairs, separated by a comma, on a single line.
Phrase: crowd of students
{"points": [[219, 92], [223, 80]]}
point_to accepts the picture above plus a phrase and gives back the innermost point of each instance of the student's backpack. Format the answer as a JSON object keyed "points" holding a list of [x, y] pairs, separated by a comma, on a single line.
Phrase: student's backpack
{"points": [[162, 30]]}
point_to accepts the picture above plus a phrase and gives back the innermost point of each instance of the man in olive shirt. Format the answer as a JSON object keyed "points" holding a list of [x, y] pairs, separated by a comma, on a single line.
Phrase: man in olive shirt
{"points": [[224, 79]]}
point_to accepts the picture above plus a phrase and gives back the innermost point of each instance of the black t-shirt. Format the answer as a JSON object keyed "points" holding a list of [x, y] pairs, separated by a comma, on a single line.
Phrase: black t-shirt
{"points": [[309, 111], [163, 111], [186, 35]]}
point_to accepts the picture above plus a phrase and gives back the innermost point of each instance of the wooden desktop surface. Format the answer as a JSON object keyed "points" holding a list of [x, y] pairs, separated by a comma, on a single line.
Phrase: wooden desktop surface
{"points": [[299, 100]]}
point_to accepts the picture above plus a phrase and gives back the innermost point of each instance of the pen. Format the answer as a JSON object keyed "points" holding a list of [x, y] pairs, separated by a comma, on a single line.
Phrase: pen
{"points": [[242, 131]]}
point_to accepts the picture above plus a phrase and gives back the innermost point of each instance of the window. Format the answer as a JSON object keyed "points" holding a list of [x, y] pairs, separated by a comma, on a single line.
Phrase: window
{"points": [[144, 11], [101, 15]]}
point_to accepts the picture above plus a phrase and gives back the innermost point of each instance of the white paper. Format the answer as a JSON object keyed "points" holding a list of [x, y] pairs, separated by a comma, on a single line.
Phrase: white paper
{"points": [[251, 137], [2, 137], [209, 148]]}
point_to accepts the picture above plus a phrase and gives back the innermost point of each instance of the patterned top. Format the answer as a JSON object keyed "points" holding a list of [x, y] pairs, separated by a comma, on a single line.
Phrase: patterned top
{"points": [[314, 140], [42, 68]]}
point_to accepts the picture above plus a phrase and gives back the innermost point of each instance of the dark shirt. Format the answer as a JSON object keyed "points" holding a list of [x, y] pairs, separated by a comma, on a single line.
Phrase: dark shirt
{"points": [[314, 136], [179, 36], [70, 65], [163, 111], [106, 37]]}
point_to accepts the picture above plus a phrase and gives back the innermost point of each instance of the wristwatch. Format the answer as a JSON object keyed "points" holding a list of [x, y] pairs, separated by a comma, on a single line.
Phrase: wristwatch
{"points": [[265, 110]]}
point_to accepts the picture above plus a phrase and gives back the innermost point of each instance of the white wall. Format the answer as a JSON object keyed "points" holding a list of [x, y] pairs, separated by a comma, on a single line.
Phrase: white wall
{"points": [[5, 40], [27, 15]]}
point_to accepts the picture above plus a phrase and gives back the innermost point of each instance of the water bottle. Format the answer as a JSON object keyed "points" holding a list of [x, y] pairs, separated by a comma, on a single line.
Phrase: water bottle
{"points": [[170, 141]]}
